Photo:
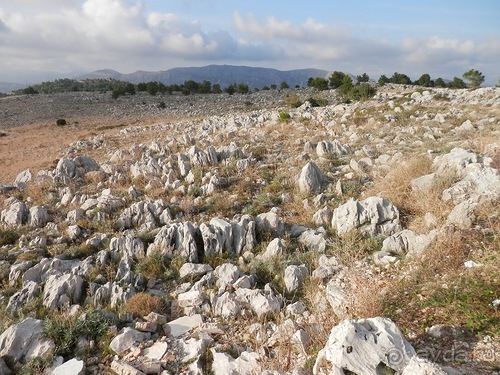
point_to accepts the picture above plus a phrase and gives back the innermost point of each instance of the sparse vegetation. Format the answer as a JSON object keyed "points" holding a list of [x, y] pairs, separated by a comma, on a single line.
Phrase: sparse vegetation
{"points": [[156, 184]]}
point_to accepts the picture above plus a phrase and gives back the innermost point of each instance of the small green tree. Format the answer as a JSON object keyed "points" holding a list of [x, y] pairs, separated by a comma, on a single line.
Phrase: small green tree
{"points": [[284, 85], [242, 88], [425, 80], [457, 83], [383, 80], [336, 79], [401, 79], [439, 82], [475, 77], [318, 83], [362, 78]]}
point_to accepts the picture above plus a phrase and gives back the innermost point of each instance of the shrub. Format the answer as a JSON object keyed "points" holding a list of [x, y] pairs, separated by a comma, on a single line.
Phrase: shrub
{"points": [[61, 122], [65, 330], [284, 116], [8, 237]]}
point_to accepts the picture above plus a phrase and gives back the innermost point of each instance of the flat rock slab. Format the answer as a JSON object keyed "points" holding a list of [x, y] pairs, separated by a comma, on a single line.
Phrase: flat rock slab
{"points": [[184, 324]]}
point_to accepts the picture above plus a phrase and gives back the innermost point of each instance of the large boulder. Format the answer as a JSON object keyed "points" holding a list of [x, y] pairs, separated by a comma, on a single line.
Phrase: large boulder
{"points": [[398, 245], [372, 216], [23, 341], [16, 215], [62, 291], [311, 179], [366, 346]]}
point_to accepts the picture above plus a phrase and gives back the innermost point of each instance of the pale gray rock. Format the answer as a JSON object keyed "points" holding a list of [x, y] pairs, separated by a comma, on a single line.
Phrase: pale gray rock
{"points": [[23, 341], [246, 364], [371, 216], [454, 161], [62, 291], [126, 339], [183, 163], [311, 180], [23, 178], [294, 277], [73, 232], [176, 239], [462, 215], [47, 267], [71, 367], [127, 244], [227, 274], [184, 324], [261, 302], [74, 216], [224, 233], [477, 181], [323, 217], [360, 346], [327, 267], [275, 248], [191, 299], [123, 368], [466, 126], [226, 306], [270, 223], [18, 269], [194, 270], [243, 233], [28, 293], [313, 240], [145, 215], [38, 216], [190, 350], [327, 149], [398, 245], [156, 351], [16, 215], [421, 366], [337, 299]]}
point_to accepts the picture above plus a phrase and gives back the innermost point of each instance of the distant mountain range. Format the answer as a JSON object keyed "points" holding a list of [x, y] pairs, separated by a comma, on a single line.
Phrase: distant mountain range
{"points": [[223, 75]]}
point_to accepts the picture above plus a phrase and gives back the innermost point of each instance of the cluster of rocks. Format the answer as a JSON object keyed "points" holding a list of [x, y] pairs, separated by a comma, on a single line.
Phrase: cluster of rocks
{"points": [[210, 302]]}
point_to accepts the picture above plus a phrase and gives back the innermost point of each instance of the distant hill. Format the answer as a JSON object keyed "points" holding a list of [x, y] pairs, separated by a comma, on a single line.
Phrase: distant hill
{"points": [[224, 75], [6, 87]]}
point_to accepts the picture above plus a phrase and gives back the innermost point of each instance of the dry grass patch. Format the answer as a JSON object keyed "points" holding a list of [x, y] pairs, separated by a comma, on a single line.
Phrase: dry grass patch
{"points": [[396, 186], [439, 289], [141, 304]]}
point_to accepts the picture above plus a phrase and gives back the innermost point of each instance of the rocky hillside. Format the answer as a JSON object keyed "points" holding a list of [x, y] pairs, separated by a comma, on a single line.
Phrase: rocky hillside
{"points": [[355, 238]]}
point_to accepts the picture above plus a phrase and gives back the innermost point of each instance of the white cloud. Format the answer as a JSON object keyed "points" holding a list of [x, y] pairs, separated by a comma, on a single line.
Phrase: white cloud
{"points": [[68, 35]]}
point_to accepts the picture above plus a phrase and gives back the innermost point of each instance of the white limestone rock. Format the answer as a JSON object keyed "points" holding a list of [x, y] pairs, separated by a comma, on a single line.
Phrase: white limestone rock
{"points": [[311, 180], [246, 364], [294, 277], [71, 367], [270, 223], [16, 215], [38, 216], [275, 248], [23, 341], [364, 346], [372, 216], [126, 339], [194, 270], [61, 291]]}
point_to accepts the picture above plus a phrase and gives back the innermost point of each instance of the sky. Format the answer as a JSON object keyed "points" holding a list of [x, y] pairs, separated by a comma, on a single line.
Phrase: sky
{"points": [[43, 40]]}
